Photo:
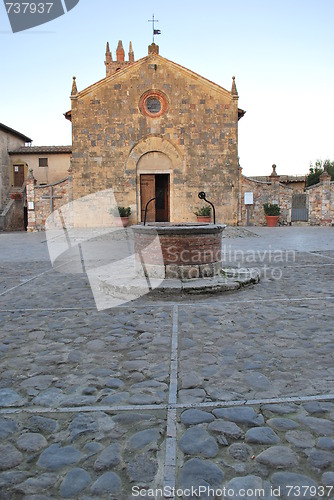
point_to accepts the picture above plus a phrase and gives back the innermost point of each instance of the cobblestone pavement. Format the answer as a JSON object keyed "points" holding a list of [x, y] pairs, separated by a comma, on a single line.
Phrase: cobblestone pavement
{"points": [[229, 396]]}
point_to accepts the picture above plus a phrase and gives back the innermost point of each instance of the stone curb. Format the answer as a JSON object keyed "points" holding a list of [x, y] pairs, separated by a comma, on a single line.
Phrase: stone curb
{"points": [[231, 280]]}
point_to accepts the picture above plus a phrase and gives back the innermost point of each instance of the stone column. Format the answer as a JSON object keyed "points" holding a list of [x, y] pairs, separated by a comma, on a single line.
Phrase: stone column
{"points": [[325, 182], [30, 188]]}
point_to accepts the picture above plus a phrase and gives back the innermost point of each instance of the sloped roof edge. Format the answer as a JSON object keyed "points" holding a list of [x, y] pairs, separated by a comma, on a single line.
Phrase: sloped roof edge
{"points": [[141, 61], [14, 132]]}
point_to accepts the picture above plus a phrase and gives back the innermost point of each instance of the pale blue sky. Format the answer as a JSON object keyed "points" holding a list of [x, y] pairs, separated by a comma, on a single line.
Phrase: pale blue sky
{"points": [[281, 52]]}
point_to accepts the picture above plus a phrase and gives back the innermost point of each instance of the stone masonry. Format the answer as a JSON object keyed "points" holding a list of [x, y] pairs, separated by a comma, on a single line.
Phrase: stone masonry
{"points": [[321, 202], [197, 131]]}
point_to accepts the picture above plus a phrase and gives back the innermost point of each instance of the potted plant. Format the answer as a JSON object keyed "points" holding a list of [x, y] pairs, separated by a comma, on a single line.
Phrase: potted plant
{"points": [[16, 196], [271, 211], [203, 214], [122, 212]]}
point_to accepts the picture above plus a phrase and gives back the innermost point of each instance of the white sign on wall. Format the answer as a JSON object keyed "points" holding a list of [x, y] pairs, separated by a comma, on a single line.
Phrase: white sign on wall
{"points": [[31, 205], [249, 198]]}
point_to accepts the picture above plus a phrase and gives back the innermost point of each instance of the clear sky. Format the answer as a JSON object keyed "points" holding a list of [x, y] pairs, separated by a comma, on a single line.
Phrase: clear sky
{"points": [[281, 52]]}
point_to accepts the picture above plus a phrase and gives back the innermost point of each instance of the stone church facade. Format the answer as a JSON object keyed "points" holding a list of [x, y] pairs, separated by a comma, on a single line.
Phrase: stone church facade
{"points": [[152, 128]]}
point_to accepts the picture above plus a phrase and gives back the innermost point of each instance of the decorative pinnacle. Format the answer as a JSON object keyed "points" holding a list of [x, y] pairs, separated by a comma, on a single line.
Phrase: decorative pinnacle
{"points": [[131, 54], [108, 54], [234, 87], [120, 51], [74, 87]]}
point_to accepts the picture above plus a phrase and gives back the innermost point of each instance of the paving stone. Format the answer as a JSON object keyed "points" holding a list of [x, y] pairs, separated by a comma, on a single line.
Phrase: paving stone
{"points": [[197, 441], [7, 427], [280, 408], [135, 365], [240, 415], [193, 417], [283, 479], [325, 443], [31, 441], [320, 426], [55, 457], [114, 383], [40, 382], [229, 429], [50, 398], [261, 435], [9, 456], [129, 418], [240, 451], [109, 482], [95, 345], [8, 398], [191, 395], [241, 485], [144, 438], [191, 380], [42, 424], [38, 484], [321, 459], [120, 397], [84, 423], [258, 381], [74, 483], [8, 479], [145, 399], [197, 472], [327, 478], [301, 439], [110, 456], [278, 457], [314, 407], [92, 448], [282, 424], [142, 469]]}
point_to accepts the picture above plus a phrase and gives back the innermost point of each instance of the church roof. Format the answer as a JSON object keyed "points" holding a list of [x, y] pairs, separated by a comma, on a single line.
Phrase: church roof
{"points": [[130, 67], [42, 150], [11, 131]]}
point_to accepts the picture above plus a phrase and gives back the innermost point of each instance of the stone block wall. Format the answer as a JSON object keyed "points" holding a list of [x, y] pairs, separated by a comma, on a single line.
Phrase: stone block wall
{"points": [[39, 196], [264, 192], [321, 202]]}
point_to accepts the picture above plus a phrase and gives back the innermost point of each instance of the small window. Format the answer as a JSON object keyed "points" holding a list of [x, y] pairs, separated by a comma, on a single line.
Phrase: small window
{"points": [[43, 162]]}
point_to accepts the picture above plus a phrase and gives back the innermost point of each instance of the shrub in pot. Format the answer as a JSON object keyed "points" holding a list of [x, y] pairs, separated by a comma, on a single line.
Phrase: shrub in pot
{"points": [[272, 212], [203, 214]]}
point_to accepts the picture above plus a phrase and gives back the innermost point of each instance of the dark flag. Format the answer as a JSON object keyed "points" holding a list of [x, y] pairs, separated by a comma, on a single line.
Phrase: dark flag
{"points": [[156, 32]]}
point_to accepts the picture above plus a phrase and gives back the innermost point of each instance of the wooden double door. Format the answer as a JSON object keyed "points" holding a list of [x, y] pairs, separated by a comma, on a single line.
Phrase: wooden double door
{"points": [[155, 186]]}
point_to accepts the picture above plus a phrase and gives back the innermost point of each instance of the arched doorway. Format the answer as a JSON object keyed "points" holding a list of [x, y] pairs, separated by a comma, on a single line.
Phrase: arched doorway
{"points": [[154, 170]]}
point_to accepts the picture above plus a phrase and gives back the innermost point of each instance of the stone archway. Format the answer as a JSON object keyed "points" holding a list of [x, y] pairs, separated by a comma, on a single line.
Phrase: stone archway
{"points": [[155, 176], [156, 156]]}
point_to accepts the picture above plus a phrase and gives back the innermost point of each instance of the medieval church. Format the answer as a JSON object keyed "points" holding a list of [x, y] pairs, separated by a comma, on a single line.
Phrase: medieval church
{"points": [[152, 128]]}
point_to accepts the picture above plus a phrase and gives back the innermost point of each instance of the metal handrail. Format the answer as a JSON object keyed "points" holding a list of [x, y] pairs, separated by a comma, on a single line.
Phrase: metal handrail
{"points": [[202, 196]]}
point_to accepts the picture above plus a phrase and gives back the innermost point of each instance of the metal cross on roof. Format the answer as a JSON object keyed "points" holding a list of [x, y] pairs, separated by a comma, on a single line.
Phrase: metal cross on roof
{"points": [[155, 31]]}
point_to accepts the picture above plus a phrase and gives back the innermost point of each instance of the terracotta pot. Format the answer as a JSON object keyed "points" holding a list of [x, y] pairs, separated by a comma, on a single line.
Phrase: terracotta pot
{"points": [[204, 219], [272, 220], [125, 221]]}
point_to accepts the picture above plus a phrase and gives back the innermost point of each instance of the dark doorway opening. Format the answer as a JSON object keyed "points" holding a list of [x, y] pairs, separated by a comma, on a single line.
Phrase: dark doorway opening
{"points": [[18, 175], [155, 186]]}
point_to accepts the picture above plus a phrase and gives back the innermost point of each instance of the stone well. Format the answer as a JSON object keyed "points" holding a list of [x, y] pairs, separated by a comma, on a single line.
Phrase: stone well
{"points": [[181, 251]]}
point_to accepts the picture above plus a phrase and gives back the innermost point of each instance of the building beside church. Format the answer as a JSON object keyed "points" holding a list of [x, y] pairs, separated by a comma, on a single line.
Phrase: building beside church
{"points": [[11, 179], [154, 129]]}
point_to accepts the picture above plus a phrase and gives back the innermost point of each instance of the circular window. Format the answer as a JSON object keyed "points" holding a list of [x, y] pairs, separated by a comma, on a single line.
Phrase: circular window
{"points": [[153, 103]]}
